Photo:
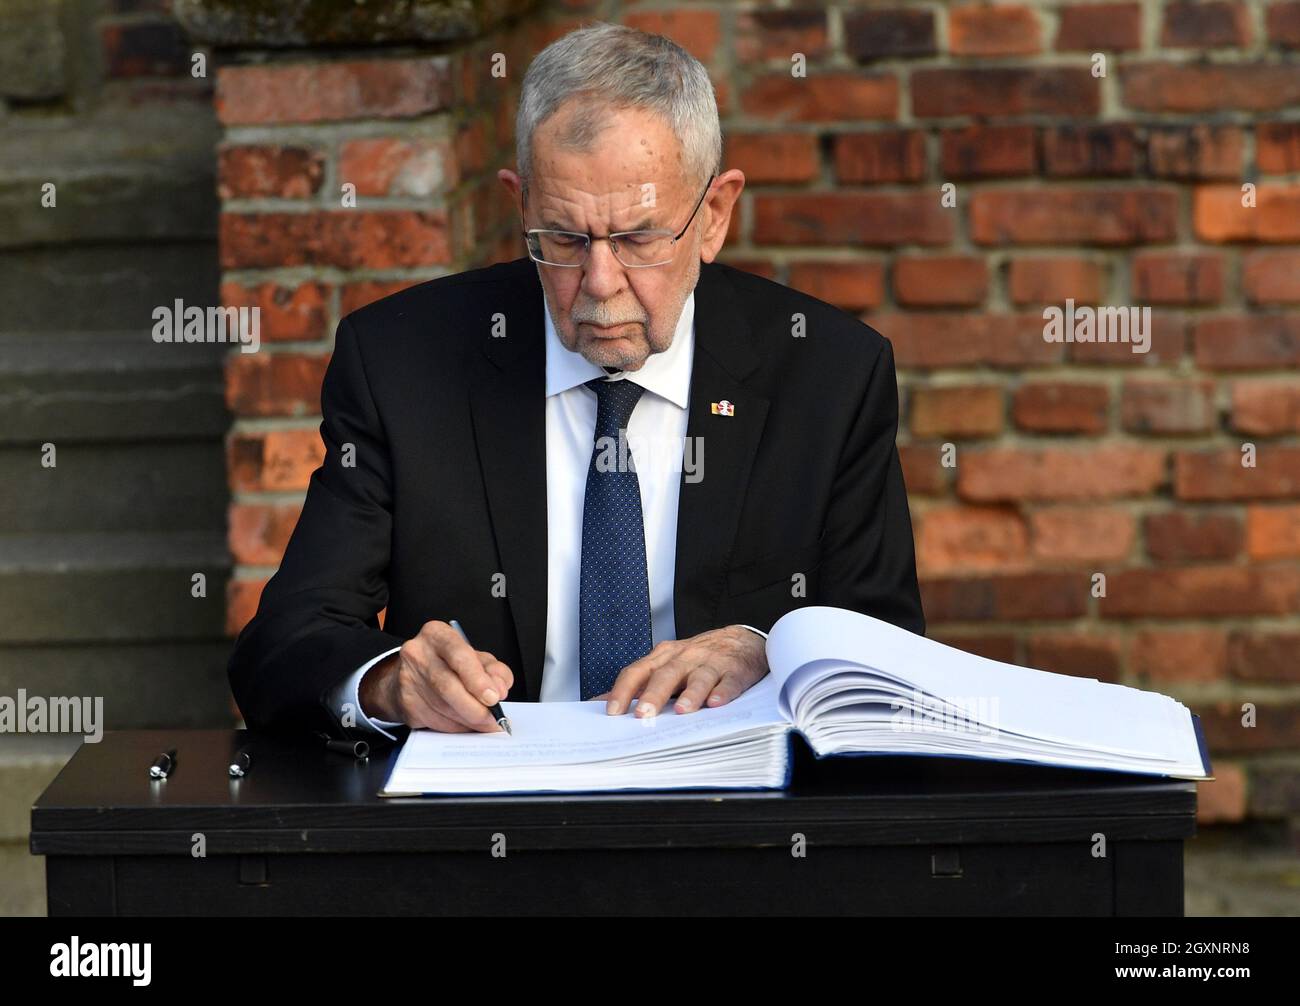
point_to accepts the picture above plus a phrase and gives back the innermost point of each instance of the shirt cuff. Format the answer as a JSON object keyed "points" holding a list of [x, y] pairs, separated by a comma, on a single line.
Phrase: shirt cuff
{"points": [[752, 629], [344, 699]]}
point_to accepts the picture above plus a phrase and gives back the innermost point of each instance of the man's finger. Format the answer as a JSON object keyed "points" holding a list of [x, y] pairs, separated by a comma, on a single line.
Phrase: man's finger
{"points": [[662, 686], [729, 687], [631, 678], [698, 685], [464, 661]]}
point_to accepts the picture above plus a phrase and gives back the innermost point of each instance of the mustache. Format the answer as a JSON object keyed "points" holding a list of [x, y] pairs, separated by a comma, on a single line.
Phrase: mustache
{"points": [[596, 315]]}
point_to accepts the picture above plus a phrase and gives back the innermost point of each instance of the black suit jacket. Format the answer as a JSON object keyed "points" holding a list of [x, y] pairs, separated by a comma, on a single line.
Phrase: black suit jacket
{"points": [[447, 486]]}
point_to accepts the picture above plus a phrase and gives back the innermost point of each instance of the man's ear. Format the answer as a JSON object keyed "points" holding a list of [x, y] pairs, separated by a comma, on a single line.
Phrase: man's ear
{"points": [[515, 187], [718, 206]]}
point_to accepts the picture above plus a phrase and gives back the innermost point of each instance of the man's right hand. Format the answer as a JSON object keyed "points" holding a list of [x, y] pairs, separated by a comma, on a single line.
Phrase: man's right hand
{"points": [[436, 681]]}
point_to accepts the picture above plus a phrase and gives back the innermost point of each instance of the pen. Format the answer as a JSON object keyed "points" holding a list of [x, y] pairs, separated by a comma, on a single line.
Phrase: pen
{"points": [[495, 709], [163, 764], [359, 750], [242, 763]]}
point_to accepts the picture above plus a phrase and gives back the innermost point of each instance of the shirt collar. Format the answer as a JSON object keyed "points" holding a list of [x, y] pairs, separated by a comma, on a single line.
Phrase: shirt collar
{"points": [[666, 374]]}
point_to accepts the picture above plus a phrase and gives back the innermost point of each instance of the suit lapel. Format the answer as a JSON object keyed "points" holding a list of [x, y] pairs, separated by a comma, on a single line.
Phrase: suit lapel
{"points": [[508, 404], [708, 510]]}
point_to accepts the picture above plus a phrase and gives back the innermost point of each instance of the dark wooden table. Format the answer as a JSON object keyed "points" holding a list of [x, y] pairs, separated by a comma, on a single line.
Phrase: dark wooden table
{"points": [[304, 833]]}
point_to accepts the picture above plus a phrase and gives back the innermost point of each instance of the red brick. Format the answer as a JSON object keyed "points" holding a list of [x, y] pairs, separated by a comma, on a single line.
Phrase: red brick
{"points": [[1057, 473], [1266, 407], [1061, 407], [988, 151], [1171, 655], [1090, 150], [964, 539], [1005, 91], [1177, 278], [1271, 277], [1282, 21], [1204, 24], [696, 31], [259, 532], [1222, 800], [825, 97], [273, 460], [852, 218], [288, 313], [773, 34], [1264, 656], [272, 171], [357, 295], [1277, 147], [1010, 597], [397, 166], [923, 471], [1082, 216], [890, 156], [1201, 591], [1168, 407], [888, 34], [936, 339], [1099, 27], [1075, 534], [1179, 535], [145, 49], [956, 411], [1276, 727], [1273, 532], [1076, 654], [1167, 345], [1243, 342], [1198, 151], [274, 384], [266, 94], [993, 31], [851, 286], [992, 647], [347, 239], [1204, 87], [773, 157], [1220, 475], [1219, 215], [940, 281], [1055, 280]]}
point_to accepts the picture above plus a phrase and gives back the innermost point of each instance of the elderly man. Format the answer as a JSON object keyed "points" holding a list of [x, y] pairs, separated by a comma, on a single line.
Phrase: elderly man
{"points": [[494, 445]]}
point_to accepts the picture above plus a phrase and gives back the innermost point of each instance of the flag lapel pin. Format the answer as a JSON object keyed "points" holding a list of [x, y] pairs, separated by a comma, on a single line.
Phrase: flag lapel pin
{"points": [[722, 408]]}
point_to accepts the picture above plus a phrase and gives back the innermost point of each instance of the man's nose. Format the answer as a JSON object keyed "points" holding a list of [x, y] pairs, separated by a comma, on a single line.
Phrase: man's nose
{"points": [[602, 273]]}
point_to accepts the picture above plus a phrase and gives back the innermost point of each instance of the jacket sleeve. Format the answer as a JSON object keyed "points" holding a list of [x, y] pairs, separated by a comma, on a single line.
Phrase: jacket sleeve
{"points": [[317, 620], [869, 562]]}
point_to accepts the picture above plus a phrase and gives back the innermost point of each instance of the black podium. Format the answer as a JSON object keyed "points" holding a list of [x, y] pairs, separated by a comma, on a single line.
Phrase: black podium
{"points": [[304, 834]]}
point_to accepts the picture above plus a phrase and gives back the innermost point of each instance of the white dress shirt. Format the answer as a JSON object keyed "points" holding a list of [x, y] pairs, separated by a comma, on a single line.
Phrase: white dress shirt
{"points": [[655, 441]]}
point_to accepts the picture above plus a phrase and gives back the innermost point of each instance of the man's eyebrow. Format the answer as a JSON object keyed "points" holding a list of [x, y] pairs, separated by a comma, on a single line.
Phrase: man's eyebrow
{"points": [[645, 224]]}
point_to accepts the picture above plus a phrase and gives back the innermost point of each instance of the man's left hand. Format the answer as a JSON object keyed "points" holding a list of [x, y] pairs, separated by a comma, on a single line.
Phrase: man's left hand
{"points": [[709, 669]]}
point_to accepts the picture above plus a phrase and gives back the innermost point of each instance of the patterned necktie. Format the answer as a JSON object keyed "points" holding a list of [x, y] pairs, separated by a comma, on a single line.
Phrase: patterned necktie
{"points": [[614, 596]]}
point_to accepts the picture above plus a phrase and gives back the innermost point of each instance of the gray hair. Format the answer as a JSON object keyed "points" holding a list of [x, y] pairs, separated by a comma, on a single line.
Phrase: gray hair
{"points": [[613, 66]]}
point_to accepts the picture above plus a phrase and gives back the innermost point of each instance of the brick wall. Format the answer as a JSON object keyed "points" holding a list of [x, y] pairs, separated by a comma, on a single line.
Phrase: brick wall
{"points": [[1033, 466]]}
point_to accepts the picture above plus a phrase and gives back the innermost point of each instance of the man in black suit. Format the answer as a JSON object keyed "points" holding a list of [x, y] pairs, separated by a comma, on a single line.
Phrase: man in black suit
{"points": [[477, 431]]}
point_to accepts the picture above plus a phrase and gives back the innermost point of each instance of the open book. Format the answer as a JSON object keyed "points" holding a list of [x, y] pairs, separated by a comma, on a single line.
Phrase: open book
{"points": [[850, 685]]}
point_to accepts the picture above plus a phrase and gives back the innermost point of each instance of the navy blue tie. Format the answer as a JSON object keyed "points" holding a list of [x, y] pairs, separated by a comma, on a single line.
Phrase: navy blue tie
{"points": [[614, 596]]}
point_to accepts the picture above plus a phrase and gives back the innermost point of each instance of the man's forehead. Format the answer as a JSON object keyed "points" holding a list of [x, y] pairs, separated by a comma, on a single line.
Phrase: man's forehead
{"points": [[630, 206]]}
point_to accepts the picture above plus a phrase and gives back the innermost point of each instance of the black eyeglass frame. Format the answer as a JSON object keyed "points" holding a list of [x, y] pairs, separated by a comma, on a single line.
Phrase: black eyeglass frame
{"points": [[613, 237]]}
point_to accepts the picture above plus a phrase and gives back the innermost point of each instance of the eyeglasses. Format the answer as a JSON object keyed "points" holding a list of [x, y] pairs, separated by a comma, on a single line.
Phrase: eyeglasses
{"points": [[634, 249]]}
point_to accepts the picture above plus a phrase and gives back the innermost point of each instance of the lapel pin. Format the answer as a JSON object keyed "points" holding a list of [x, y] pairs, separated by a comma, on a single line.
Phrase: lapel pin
{"points": [[722, 408]]}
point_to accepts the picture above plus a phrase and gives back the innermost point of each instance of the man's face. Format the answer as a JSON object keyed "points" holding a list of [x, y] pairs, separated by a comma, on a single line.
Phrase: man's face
{"points": [[632, 179]]}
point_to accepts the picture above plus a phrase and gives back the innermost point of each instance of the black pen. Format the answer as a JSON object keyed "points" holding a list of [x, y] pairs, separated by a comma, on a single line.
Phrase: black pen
{"points": [[163, 764], [495, 709], [242, 763]]}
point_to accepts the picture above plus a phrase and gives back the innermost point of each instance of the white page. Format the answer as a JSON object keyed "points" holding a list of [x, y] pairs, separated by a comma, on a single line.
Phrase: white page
{"points": [[1079, 711], [559, 733]]}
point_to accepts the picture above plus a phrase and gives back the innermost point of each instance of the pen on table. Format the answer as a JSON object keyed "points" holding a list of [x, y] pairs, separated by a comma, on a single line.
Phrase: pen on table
{"points": [[163, 764], [495, 709], [360, 750], [242, 762]]}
